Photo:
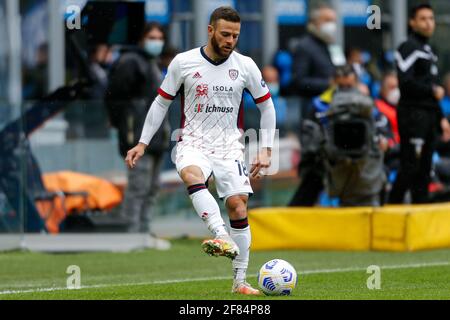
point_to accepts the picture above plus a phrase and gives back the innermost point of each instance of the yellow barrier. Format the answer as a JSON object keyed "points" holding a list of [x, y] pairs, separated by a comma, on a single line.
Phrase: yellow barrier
{"points": [[429, 228], [391, 228], [293, 228]]}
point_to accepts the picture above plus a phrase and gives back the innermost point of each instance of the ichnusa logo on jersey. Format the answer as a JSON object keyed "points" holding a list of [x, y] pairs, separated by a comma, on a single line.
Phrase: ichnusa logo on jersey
{"points": [[210, 108]]}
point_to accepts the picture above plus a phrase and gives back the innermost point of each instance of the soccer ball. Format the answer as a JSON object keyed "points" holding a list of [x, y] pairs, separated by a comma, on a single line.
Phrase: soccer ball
{"points": [[277, 278]]}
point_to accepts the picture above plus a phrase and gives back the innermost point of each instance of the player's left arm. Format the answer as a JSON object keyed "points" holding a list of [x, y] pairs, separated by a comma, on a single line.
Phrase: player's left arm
{"points": [[260, 92], [268, 127]]}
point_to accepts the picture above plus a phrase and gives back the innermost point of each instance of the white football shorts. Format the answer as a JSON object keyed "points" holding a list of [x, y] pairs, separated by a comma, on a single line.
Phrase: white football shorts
{"points": [[231, 176]]}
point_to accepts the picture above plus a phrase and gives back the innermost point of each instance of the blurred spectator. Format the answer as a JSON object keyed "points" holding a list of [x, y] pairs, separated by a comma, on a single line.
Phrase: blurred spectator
{"points": [[443, 165], [445, 102], [134, 82], [388, 101], [271, 77], [355, 58], [283, 62], [312, 74], [166, 57], [312, 62], [318, 164], [96, 125], [99, 60], [36, 79], [387, 105], [419, 115]]}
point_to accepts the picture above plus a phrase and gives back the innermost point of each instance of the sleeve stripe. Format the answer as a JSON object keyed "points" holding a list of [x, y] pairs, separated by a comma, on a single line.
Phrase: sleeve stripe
{"points": [[405, 64], [263, 98], [165, 95]]}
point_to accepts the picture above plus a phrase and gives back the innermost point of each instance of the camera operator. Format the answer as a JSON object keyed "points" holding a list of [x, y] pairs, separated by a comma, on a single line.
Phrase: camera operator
{"points": [[341, 145]]}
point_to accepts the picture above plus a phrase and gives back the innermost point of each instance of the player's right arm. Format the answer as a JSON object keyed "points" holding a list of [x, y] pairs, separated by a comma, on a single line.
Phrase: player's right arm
{"points": [[153, 121], [157, 112]]}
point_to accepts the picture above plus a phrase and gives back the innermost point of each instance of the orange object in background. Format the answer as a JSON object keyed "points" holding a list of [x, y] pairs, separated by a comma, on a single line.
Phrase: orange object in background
{"points": [[101, 195]]}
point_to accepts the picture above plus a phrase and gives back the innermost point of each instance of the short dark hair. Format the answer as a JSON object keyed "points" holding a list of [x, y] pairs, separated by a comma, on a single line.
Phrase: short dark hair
{"points": [[314, 13], [388, 74], [344, 71], [149, 26], [350, 50], [415, 9], [226, 13]]}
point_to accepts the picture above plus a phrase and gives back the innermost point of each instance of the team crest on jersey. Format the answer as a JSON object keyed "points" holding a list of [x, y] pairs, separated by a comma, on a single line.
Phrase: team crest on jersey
{"points": [[263, 83], [234, 74], [202, 91]]}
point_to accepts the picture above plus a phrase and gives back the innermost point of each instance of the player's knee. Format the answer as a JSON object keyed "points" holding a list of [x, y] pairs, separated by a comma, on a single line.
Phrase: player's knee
{"points": [[237, 208], [240, 211], [191, 176]]}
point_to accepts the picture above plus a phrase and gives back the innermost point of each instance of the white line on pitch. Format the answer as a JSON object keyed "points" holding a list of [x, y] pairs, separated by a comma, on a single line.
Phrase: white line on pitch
{"points": [[304, 272]]}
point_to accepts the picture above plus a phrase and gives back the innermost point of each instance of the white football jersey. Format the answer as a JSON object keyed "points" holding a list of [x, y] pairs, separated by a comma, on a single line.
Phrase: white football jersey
{"points": [[212, 99]]}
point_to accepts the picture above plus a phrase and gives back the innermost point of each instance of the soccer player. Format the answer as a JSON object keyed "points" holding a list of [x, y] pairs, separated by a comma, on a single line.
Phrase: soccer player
{"points": [[211, 81]]}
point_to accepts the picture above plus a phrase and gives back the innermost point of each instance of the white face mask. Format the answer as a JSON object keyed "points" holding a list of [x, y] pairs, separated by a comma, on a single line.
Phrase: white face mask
{"points": [[154, 47], [329, 29], [393, 97]]}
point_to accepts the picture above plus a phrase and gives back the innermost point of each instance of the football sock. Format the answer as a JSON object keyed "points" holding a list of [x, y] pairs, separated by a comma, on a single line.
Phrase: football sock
{"points": [[207, 209], [240, 233]]}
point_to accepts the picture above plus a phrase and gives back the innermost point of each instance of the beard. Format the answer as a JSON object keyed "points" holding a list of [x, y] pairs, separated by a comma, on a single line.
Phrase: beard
{"points": [[218, 51]]}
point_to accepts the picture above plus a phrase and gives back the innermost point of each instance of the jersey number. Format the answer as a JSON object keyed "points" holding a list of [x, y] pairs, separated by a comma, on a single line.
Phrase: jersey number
{"points": [[242, 168]]}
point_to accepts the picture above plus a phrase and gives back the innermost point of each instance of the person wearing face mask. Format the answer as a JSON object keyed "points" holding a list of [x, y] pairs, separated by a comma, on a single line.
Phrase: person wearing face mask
{"points": [[313, 61], [271, 77], [387, 105], [133, 84], [312, 73], [273, 84], [388, 101]]}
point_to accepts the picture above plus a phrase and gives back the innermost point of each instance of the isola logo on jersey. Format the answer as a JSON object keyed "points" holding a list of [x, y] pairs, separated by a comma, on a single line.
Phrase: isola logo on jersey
{"points": [[211, 108], [222, 89], [223, 92]]}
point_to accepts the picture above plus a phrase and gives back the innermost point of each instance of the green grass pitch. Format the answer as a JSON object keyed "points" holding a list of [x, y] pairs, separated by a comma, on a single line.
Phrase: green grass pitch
{"points": [[185, 272]]}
